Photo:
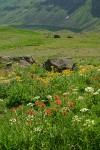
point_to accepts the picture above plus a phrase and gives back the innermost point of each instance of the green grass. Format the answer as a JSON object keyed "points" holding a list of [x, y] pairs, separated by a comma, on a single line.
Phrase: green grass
{"points": [[12, 38], [41, 44]]}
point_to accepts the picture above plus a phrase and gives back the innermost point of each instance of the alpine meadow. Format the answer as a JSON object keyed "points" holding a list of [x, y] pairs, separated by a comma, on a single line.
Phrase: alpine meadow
{"points": [[49, 74]]}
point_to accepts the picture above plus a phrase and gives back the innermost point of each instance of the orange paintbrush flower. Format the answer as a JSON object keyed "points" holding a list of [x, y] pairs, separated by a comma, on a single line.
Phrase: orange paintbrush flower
{"points": [[58, 102], [42, 105], [48, 112], [30, 112], [70, 104]]}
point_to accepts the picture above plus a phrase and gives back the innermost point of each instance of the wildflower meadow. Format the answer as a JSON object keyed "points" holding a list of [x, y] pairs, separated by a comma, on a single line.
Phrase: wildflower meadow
{"points": [[42, 110]]}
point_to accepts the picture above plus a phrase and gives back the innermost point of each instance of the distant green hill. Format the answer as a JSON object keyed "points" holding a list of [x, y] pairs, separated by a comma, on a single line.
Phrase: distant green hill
{"points": [[79, 14]]}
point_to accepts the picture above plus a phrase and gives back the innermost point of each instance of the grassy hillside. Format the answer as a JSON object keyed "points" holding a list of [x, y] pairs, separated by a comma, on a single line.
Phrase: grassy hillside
{"points": [[41, 44], [67, 13]]}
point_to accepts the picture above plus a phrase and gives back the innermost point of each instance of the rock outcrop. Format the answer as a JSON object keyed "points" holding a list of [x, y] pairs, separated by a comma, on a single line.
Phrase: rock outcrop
{"points": [[22, 60]]}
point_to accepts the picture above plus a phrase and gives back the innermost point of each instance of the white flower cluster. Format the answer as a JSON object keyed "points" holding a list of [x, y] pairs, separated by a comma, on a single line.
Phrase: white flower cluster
{"points": [[30, 104], [38, 129], [80, 98], [30, 117], [36, 98], [97, 92], [49, 97], [89, 122], [76, 119], [89, 90], [75, 91], [84, 110], [13, 120]]}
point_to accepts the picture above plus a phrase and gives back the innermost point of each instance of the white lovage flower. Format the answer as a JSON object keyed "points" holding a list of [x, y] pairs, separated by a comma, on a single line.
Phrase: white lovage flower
{"points": [[89, 90], [30, 104], [96, 93], [49, 97], [80, 98], [84, 110]]}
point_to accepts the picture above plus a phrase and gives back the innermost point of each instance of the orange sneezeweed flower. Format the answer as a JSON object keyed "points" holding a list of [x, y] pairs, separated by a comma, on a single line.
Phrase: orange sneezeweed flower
{"points": [[42, 105]]}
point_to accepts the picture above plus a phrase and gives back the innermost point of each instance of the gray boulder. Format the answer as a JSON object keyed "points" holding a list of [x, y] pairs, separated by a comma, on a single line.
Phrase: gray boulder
{"points": [[60, 64], [69, 36]]}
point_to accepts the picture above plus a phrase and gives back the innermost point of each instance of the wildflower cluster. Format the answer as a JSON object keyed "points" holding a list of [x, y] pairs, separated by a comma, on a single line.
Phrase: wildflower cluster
{"points": [[51, 107]]}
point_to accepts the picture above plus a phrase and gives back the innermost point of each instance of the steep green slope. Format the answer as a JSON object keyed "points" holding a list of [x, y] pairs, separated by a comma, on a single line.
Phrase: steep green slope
{"points": [[83, 14]]}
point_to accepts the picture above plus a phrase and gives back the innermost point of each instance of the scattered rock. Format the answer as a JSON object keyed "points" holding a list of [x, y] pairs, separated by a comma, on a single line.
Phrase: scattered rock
{"points": [[69, 36], [57, 36], [60, 64]]}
